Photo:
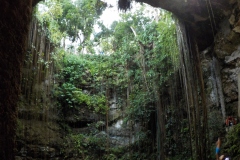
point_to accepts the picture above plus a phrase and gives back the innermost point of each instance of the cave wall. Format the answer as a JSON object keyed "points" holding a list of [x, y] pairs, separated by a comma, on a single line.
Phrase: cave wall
{"points": [[226, 53], [38, 70], [38, 135], [14, 23], [227, 50]]}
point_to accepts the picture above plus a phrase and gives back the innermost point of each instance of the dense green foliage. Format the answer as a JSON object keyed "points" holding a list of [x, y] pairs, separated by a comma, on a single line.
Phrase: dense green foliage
{"points": [[138, 56], [78, 84], [47, 14], [72, 20], [80, 17], [90, 146], [232, 143], [134, 63]]}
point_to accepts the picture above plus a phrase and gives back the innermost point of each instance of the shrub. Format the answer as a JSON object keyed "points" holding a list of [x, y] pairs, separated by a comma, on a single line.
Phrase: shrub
{"points": [[231, 146]]}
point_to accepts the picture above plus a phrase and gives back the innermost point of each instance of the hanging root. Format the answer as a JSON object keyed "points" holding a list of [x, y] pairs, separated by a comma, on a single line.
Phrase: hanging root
{"points": [[124, 4]]}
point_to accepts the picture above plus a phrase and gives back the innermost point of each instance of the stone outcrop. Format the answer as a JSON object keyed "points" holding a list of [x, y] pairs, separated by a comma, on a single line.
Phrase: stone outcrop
{"points": [[226, 51]]}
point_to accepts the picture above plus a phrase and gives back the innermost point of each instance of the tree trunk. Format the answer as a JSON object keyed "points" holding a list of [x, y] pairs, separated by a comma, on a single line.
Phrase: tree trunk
{"points": [[14, 25]]}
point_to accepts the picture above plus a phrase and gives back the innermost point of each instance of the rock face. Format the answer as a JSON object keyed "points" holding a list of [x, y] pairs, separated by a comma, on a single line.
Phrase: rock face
{"points": [[43, 135], [226, 52], [38, 139], [227, 49]]}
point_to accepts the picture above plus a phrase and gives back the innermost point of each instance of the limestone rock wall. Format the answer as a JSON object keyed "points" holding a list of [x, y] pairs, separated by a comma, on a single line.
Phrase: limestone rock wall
{"points": [[226, 52]]}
